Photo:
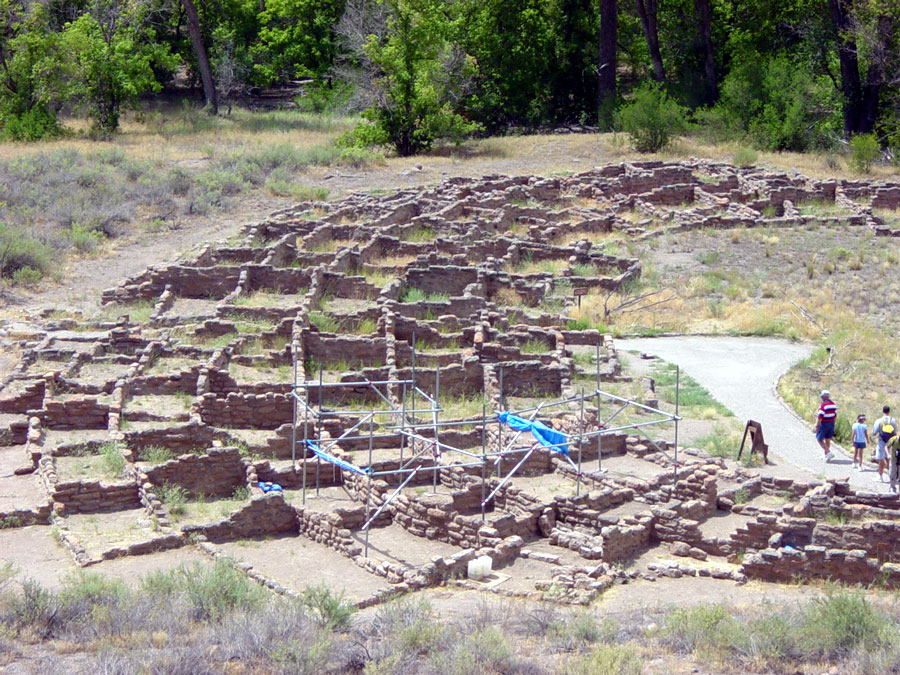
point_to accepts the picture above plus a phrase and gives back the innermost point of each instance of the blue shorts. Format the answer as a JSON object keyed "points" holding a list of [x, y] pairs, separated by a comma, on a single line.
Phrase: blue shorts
{"points": [[859, 446], [826, 430]]}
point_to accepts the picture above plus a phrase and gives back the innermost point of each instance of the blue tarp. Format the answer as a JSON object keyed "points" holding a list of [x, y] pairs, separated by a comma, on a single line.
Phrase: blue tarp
{"points": [[549, 438], [321, 454]]}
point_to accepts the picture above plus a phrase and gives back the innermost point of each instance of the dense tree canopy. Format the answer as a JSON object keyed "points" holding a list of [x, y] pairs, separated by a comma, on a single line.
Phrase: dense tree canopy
{"points": [[781, 74]]}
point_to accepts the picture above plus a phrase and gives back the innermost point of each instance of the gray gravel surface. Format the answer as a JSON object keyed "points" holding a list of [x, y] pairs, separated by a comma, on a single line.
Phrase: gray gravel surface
{"points": [[741, 373]]}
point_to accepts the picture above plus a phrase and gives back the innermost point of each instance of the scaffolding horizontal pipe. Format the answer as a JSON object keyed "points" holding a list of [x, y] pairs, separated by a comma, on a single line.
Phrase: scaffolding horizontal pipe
{"points": [[442, 425], [624, 427], [670, 417], [544, 406], [435, 467], [363, 438], [431, 441], [315, 384]]}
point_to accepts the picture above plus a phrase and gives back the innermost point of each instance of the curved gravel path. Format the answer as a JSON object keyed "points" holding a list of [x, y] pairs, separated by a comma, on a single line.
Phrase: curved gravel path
{"points": [[741, 373]]}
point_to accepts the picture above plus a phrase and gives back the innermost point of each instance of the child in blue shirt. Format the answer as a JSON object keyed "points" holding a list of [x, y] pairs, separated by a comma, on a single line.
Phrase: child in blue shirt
{"points": [[860, 440]]}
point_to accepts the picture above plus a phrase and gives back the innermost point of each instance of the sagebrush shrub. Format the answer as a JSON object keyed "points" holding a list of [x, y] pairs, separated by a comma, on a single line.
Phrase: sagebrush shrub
{"points": [[651, 119], [864, 150]]}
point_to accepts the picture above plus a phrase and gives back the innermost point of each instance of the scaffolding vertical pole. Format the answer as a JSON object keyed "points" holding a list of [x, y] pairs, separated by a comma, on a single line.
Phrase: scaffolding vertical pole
{"points": [[580, 439], [305, 427], [599, 437], [403, 423], [369, 484], [294, 425], [597, 358], [319, 428], [499, 424], [434, 421], [677, 387], [483, 450], [412, 393]]}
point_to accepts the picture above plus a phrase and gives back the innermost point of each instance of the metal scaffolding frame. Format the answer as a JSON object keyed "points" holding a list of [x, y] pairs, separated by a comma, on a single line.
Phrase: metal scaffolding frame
{"points": [[407, 426]]}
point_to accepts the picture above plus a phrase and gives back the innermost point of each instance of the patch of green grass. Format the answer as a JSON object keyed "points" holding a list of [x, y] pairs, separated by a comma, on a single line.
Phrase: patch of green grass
{"points": [[418, 295], [113, 462], [249, 325], [690, 394], [174, 497], [583, 270], [533, 346], [465, 406], [721, 442], [418, 234], [324, 322], [156, 454], [365, 327]]}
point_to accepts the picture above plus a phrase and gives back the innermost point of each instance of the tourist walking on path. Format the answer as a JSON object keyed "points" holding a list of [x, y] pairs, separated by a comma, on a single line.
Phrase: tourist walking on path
{"points": [[825, 417], [893, 448], [860, 440], [883, 430]]}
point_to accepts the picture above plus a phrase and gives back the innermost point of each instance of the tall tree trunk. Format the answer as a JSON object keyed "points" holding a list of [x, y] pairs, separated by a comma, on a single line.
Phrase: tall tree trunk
{"points": [[193, 26], [868, 113], [851, 88], [647, 13], [701, 8], [606, 85]]}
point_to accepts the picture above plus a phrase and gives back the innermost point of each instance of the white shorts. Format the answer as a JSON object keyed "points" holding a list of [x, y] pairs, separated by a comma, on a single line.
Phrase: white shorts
{"points": [[880, 450]]}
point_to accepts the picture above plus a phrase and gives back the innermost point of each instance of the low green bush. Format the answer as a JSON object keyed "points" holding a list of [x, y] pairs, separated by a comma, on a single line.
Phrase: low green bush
{"points": [[329, 608], [113, 462], [211, 590], [156, 454], [864, 150], [19, 250], [651, 119], [745, 156]]}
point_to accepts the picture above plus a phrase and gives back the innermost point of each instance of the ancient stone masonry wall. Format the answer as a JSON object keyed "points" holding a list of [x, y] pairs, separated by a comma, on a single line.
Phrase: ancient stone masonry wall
{"points": [[215, 474], [332, 529], [253, 411], [86, 413], [22, 396], [182, 438], [94, 497], [264, 515], [817, 562]]}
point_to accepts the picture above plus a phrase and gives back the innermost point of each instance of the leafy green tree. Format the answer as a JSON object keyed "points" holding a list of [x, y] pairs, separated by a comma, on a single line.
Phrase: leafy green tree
{"points": [[416, 75], [29, 72], [513, 43], [296, 39], [110, 61]]}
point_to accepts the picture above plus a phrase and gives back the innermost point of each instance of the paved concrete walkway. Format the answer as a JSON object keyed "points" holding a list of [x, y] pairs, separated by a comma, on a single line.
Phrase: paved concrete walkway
{"points": [[741, 373]]}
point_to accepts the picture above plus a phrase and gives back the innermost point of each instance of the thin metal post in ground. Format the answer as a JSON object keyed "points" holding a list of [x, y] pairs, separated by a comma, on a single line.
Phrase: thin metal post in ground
{"points": [[677, 388], [599, 439], [598, 375], [305, 436], [499, 424], [369, 484], [437, 388], [403, 423], [483, 449], [294, 419], [580, 437], [319, 430]]}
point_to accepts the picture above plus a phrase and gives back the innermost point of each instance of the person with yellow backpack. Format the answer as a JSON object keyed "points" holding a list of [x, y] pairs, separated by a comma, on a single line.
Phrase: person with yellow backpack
{"points": [[883, 430]]}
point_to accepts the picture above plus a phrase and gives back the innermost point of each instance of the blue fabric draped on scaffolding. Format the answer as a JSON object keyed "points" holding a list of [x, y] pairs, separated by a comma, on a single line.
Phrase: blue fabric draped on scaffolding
{"points": [[549, 438], [341, 464]]}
